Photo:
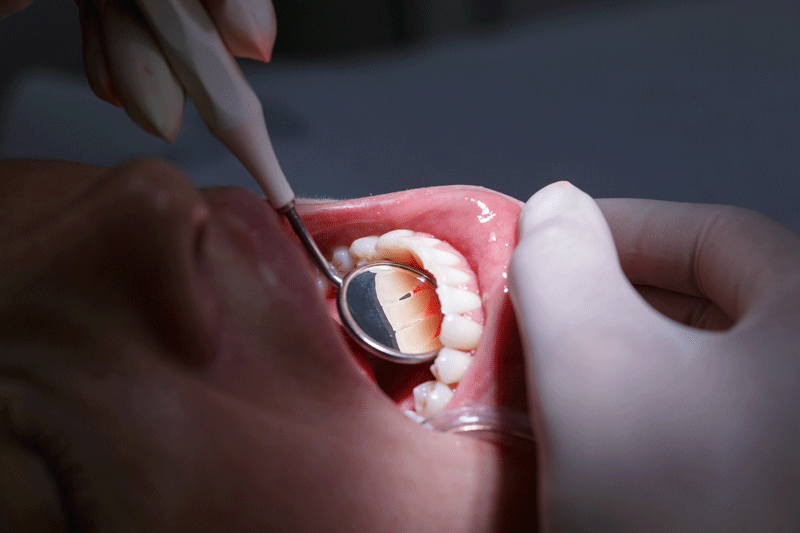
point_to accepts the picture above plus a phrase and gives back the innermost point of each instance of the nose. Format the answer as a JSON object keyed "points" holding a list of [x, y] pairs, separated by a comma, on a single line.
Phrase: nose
{"points": [[143, 224]]}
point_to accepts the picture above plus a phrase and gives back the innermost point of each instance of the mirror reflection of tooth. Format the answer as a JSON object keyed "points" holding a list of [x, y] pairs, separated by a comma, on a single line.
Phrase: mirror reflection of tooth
{"points": [[407, 311], [364, 248], [432, 345], [460, 333], [393, 284], [421, 336], [446, 275], [450, 365], [457, 301], [431, 397], [434, 256]]}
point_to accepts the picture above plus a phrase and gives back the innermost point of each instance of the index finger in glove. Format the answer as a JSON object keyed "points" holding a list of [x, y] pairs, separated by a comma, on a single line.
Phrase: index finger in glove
{"points": [[737, 258], [248, 27]]}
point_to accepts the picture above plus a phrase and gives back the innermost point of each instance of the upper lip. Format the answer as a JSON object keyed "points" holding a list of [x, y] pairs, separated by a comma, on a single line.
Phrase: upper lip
{"points": [[260, 226]]}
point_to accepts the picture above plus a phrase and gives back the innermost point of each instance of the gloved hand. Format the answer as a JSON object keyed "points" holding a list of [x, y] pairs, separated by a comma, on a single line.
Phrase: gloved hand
{"points": [[125, 64], [645, 423]]}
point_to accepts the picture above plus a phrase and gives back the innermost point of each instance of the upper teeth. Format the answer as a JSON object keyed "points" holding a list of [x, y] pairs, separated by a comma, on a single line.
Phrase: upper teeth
{"points": [[458, 299], [431, 398], [460, 332]]}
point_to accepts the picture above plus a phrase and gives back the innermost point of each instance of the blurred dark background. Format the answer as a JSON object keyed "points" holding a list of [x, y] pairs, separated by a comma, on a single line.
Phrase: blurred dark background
{"points": [[675, 100], [310, 27], [46, 34]]}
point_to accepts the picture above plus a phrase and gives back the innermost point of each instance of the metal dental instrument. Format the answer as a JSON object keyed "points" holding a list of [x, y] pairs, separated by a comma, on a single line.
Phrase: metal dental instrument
{"points": [[233, 113]]}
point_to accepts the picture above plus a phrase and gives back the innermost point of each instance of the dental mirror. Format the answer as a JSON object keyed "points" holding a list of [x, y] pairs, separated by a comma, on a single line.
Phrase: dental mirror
{"points": [[389, 308]]}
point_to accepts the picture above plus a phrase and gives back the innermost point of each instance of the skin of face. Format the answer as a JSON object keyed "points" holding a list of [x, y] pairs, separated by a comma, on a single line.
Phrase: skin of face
{"points": [[167, 363]]}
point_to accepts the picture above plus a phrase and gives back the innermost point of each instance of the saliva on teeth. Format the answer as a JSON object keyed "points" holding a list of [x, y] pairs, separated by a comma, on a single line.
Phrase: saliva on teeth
{"points": [[459, 304]]}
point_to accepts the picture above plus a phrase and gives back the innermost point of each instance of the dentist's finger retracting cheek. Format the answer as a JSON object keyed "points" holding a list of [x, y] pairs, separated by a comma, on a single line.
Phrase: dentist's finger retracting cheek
{"points": [[403, 297]]}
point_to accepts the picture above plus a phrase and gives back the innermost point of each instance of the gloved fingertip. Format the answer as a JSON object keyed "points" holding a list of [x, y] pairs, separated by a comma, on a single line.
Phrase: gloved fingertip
{"points": [[113, 97], [548, 202], [95, 63], [265, 49], [247, 27], [148, 89]]}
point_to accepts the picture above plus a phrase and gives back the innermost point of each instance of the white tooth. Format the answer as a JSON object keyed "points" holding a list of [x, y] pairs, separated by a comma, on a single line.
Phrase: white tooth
{"points": [[431, 397], [396, 234], [364, 248], [446, 275], [342, 260], [414, 416], [394, 246], [457, 301], [434, 256], [397, 239], [460, 333], [419, 240], [450, 365]]}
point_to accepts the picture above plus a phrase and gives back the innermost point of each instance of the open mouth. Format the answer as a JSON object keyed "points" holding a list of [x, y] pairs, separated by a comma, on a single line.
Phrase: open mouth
{"points": [[464, 236]]}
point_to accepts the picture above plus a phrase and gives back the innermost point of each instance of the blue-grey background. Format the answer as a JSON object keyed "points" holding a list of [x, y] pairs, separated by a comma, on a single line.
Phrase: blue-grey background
{"points": [[691, 101]]}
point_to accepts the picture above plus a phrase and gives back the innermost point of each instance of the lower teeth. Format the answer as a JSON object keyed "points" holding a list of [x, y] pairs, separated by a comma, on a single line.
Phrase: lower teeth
{"points": [[450, 365], [431, 398]]}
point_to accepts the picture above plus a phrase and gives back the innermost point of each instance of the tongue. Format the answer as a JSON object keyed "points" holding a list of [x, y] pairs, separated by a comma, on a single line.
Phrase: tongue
{"points": [[479, 223]]}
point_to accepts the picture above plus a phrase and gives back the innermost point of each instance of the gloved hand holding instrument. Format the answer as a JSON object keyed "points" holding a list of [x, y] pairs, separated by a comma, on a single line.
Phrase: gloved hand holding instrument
{"points": [[144, 54]]}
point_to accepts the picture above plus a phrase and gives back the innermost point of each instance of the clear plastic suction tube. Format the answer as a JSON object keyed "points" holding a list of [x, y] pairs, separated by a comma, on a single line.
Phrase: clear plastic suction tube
{"points": [[499, 425]]}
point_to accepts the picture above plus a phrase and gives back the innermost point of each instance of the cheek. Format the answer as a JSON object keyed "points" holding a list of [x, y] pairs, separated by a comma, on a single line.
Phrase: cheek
{"points": [[276, 342]]}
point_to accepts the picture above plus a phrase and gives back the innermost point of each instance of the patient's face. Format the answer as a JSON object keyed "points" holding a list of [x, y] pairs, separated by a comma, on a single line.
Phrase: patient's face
{"points": [[167, 357]]}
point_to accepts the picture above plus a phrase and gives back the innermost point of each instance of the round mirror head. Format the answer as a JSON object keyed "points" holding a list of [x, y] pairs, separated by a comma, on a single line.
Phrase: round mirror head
{"points": [[392, 310]]}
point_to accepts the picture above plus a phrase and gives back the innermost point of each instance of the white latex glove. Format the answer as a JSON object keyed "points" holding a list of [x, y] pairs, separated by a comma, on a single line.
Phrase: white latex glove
{"points": [[124, 61], [645, 423]]}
